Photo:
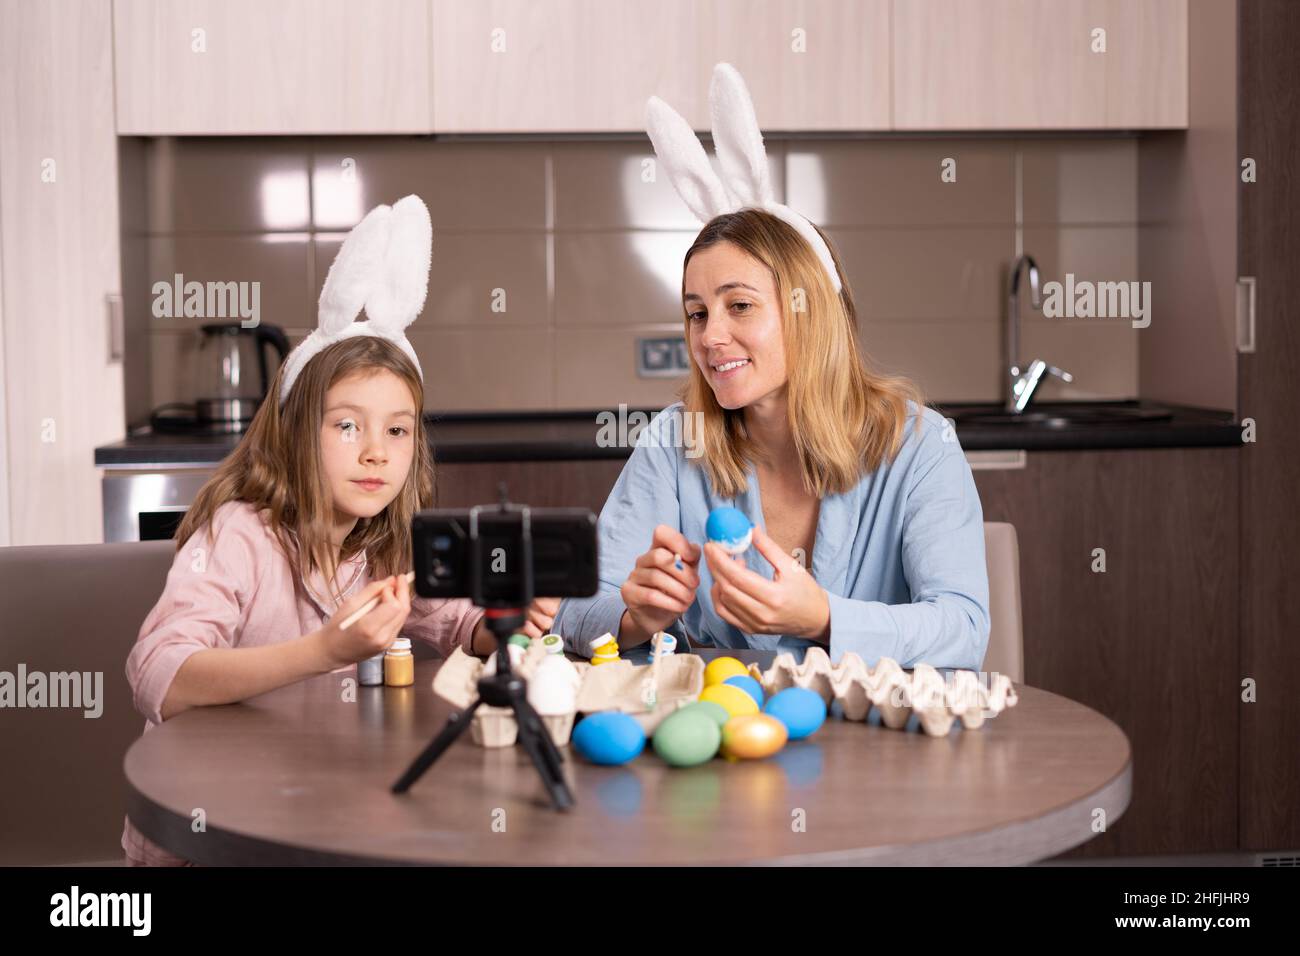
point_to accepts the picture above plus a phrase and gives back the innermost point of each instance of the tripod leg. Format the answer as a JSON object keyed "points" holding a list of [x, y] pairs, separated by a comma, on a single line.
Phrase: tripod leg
{"points": [[545, 755], [454, 729], [532, 738], [552, 752]]}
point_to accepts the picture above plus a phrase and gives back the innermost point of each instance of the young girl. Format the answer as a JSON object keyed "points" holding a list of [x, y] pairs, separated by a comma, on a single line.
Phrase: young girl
{"points": [[307, 520], [868, 533]]}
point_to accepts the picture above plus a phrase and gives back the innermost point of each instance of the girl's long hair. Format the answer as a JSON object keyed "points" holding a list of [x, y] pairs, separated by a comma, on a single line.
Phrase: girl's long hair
{"points": [[277, 467], [844, 416]]}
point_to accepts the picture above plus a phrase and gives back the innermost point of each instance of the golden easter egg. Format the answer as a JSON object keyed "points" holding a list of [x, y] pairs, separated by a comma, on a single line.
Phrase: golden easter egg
{"points": [[753, 736]]}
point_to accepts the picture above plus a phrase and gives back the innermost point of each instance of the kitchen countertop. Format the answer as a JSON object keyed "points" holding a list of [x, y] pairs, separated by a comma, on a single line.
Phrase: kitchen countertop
{"points": [[543, 436]]}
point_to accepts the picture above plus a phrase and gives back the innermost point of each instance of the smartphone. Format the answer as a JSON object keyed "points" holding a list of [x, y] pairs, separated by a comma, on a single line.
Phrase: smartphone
{"points": [[479, 554]]}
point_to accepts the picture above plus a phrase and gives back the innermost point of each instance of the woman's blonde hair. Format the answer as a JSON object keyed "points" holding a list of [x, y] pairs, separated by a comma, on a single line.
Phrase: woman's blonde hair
{"points": [[845, 417], [277, 468]]}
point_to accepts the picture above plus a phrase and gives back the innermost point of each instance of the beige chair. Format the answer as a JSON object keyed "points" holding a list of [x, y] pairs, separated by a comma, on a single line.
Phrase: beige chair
{"points": [[71, 608], [1006, 650]]}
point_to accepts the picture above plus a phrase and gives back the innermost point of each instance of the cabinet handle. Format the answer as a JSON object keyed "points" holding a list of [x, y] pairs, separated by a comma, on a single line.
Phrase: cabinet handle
{"points": [[1245, 313], [113, 306], [996, 460]]}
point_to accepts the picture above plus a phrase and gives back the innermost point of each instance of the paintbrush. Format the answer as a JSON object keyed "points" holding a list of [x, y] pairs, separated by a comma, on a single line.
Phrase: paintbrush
{"points": [[370, 605]]}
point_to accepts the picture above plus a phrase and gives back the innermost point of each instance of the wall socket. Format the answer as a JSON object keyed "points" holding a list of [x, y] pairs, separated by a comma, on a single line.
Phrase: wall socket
{"points": [[662, 358]]}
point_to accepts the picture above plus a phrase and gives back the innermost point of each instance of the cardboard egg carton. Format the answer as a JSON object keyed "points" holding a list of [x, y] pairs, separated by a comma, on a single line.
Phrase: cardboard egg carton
{"points": [[620, 686], [894, 692], [616, 686], [456, 682]]}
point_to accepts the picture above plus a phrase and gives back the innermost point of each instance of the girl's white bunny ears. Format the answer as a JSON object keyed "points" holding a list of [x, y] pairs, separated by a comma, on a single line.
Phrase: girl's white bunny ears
{"points": [[739, 144], [383, 267]]}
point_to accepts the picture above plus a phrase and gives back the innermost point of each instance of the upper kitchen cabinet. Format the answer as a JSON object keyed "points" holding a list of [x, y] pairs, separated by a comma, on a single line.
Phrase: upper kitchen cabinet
{"points": [[1039, 64], [809, 64], [251, 67], [505, 66]]}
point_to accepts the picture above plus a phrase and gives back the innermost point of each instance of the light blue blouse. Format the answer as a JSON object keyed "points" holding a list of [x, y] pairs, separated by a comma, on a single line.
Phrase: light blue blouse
{"points": [[900, 555]]}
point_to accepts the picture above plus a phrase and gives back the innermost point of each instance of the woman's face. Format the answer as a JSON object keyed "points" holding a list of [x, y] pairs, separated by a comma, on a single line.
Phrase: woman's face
{"points": [[367, 433], [735, 325]]}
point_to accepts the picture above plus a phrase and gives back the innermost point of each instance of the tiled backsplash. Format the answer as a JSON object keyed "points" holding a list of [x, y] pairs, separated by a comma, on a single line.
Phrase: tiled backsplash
{"points": [[587, 253]]}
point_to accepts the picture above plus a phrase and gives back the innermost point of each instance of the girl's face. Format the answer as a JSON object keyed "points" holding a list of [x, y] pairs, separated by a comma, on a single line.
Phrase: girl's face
{"points": [[735, 325], [367, 435]]}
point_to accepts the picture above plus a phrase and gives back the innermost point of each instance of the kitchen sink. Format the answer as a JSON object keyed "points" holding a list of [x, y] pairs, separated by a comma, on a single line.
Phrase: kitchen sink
{"points": [[1058, 414]]}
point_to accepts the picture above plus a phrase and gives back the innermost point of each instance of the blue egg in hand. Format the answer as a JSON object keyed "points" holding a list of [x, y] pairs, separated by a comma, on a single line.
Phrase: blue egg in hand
{"points": [[730, 528], [610, 738], [801, 710], [750, 686]]}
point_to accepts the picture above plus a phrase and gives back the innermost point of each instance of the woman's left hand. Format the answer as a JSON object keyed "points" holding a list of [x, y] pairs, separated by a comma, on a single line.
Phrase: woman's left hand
{"points": [[791, 603]]}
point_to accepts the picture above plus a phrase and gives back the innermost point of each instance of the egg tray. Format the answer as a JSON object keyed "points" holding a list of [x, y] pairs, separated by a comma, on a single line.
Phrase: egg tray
{"points": [[618, 686], [895, 693], [614, 686], [456, 682]]}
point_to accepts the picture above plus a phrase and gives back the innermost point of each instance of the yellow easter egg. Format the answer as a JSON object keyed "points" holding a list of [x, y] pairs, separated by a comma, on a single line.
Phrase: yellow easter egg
{"points": [[731, 698], [753, 736], [720, 668]]}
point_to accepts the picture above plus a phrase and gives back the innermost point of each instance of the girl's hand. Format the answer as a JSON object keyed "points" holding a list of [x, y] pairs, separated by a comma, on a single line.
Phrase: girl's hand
{"points": [[537, 621], [540, 615], [657, 592], [791, 603], [374, 632]]}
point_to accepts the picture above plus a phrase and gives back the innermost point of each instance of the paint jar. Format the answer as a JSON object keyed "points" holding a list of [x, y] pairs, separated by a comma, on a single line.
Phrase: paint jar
{"points": [[667, 645], [399, 665], [370, 672]]}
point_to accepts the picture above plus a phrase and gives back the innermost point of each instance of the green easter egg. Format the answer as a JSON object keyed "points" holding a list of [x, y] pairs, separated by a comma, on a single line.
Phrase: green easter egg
{"points": [[715, 711], [686, 738]]}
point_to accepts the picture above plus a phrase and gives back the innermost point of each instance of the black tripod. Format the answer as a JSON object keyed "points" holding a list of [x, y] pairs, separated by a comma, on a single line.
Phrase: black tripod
{"points": [[504, 688]]}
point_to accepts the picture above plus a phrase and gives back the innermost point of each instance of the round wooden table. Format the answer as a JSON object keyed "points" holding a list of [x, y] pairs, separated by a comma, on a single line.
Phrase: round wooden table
{"points": [[302, 776]]}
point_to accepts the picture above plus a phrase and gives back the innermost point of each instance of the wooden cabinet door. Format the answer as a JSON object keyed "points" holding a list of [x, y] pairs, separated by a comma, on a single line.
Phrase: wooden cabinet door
{"points": [[1151, 641], [291, 66], [62, 382], [563, 65], [809, 64], [1032, 64], [1269, 390]]}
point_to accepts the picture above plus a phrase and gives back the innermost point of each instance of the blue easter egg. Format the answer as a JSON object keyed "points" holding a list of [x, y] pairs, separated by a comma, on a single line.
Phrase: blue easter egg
{"points": [[801, 710], [609, 738], [730, 528], [750, 686]]}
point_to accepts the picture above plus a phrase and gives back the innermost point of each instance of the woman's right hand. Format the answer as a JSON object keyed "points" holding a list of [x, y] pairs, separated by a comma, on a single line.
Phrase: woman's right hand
{"points": [[657, 592], [375, 631]]}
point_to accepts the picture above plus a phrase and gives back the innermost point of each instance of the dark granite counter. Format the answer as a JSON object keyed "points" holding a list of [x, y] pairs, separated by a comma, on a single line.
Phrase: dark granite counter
{"points": [[543, 436]]}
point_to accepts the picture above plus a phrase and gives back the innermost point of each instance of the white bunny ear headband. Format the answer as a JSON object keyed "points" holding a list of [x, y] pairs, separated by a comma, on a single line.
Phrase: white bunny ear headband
{"points": [[383, 267], [739, 144]]}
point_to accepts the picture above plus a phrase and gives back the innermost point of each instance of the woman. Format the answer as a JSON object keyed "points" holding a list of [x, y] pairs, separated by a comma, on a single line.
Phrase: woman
{"points": [[843, 472]]}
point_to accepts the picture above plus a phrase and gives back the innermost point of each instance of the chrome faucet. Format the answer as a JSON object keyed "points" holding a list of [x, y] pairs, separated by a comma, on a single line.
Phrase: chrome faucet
{"points": [[1021, 386]]}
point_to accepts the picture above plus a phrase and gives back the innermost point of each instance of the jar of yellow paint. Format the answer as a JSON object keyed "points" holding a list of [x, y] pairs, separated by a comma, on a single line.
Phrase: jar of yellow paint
{"points": [[399, 664]]}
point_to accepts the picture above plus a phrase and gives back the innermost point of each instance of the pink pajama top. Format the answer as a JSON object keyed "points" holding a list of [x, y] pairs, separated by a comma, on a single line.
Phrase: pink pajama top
{"points": [[239, 590]]}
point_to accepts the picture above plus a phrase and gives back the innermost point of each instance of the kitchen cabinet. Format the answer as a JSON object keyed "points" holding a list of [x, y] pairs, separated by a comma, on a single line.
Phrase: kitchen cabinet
{"points": [[587, 66], [59, 267], [563, 65], [293, 66], [809, 64], [1031, 64], [1268, 379], [581, 65], [1151, 641]]}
